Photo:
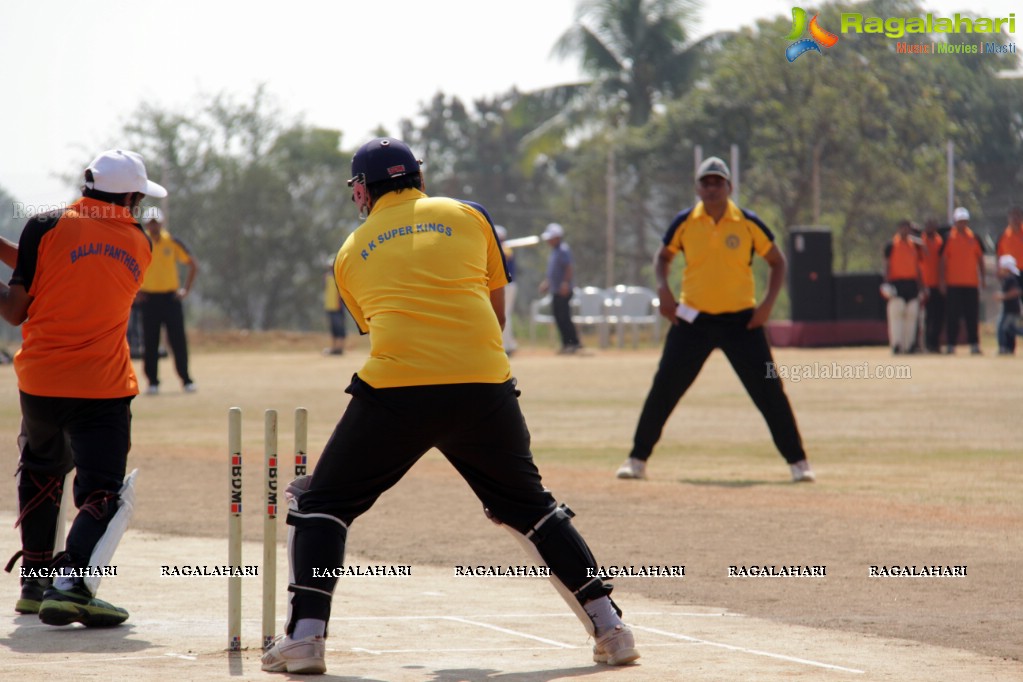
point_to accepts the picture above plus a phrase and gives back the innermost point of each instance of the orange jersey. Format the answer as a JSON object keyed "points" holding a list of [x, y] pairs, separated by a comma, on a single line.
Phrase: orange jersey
{"points": [[931, 258], [1011, 242], [82, 267], [904, 258], [962, 255]]}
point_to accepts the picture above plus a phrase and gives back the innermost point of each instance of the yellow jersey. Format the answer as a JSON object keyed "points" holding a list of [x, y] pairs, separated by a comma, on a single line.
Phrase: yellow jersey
{"points": [[718, 274], [417, 277], [162, 276]]}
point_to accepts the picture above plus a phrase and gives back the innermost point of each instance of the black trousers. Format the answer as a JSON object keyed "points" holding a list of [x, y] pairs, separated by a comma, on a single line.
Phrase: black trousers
{"points": [[159, 310], [963, 305], [563, 318], [92, 436], [934, 319], [479, 428], [686, 349]]}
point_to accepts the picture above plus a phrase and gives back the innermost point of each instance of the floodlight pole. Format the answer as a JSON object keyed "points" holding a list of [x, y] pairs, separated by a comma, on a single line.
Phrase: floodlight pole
{"points": [[697, 160], [735, 173], [612, 198]]}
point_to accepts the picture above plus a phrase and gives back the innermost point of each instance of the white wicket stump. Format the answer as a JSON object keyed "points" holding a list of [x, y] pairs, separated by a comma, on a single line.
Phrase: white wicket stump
{"points": [[301, 440], [269, 505], [234, 529], [270, 528]]}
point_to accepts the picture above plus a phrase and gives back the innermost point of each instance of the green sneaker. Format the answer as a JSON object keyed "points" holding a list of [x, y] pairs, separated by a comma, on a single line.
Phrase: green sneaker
{"points": [[31, 594], [77, 605]]}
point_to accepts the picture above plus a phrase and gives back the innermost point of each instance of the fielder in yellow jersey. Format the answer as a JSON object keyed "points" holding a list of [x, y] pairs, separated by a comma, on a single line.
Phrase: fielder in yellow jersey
{"points": [[425, 277], [717, 308]]}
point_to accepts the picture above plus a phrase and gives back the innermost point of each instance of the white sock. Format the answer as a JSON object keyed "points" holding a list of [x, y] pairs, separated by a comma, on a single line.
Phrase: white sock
{"points": [[309, 627], [603, 615], [63, 583]]}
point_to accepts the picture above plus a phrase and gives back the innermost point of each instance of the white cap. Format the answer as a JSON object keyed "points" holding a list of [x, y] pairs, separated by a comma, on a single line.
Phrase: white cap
{"points": [[502, 233], [1008, 262], [152, 213], [552, 231], [713, 166], [960, 214], [120, 172]]}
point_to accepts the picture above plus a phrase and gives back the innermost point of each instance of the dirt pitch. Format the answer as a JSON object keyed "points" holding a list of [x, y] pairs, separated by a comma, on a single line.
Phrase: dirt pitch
{"points": [[918, 471]]}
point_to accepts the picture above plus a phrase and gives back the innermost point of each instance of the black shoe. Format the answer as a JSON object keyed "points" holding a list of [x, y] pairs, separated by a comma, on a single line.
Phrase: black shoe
{"points": [[31, 594], [77, 605]]}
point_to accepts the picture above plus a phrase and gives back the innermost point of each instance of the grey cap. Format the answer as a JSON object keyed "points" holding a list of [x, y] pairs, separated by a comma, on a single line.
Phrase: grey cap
{"points": [[713, 166]]}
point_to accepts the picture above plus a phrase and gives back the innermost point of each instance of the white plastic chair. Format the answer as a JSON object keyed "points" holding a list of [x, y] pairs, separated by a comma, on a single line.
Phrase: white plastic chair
{"points": [[634, 307], [589, 306]]}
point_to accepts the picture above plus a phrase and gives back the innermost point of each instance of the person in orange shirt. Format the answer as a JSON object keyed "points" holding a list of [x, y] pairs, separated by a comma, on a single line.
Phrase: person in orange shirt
{"points": [[76, 273], [934, 304], [903, 275], [1011, 241], [962, 277]]}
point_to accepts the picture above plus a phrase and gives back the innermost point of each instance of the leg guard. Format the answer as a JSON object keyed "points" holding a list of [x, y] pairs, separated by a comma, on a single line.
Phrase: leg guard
{"points": [[103, 552], [316, 542], [66, 501], [554, 542], [39, 496]]}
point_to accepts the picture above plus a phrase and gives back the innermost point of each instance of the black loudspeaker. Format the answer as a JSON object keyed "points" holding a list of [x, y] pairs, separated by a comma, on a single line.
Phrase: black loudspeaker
{"points": [[858, 297], [811, 285]]}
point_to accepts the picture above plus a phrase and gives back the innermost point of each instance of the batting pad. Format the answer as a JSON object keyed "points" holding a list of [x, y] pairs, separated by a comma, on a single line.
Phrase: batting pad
{"points": [[565, 593], [103, 552], [291, 494], [66, 495]]}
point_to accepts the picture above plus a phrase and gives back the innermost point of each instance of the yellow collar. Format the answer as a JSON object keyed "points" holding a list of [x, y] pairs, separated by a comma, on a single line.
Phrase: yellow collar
{"points": [[732, 212]]}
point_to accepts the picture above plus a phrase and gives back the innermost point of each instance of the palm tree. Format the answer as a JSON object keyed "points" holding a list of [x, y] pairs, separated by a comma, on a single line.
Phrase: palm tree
{"points": [[636, 51]]}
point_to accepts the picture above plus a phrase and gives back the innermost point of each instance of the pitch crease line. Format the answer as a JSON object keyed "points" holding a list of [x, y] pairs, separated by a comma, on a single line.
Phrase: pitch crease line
{"points": [[529, 615], [754, 652], [506, 631], [107, 659]]}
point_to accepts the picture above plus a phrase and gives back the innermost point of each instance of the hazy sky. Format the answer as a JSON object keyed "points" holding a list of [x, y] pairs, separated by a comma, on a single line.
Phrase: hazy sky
{"points": [[72, 72]]}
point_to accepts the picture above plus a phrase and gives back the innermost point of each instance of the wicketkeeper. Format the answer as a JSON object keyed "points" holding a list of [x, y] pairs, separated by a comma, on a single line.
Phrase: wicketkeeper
{"points": [[424, 276]]}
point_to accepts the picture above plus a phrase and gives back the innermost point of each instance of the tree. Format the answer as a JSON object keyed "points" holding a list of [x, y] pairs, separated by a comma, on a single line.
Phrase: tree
{"points": [[635, 51], [473, 151], [261, 201], [872, 125], [638, 54]]}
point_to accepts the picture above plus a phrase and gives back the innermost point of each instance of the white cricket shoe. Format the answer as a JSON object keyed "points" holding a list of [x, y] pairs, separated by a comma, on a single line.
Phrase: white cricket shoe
{"points": [[632, 468], [616, 647], [801, 472], [288, 655]]}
